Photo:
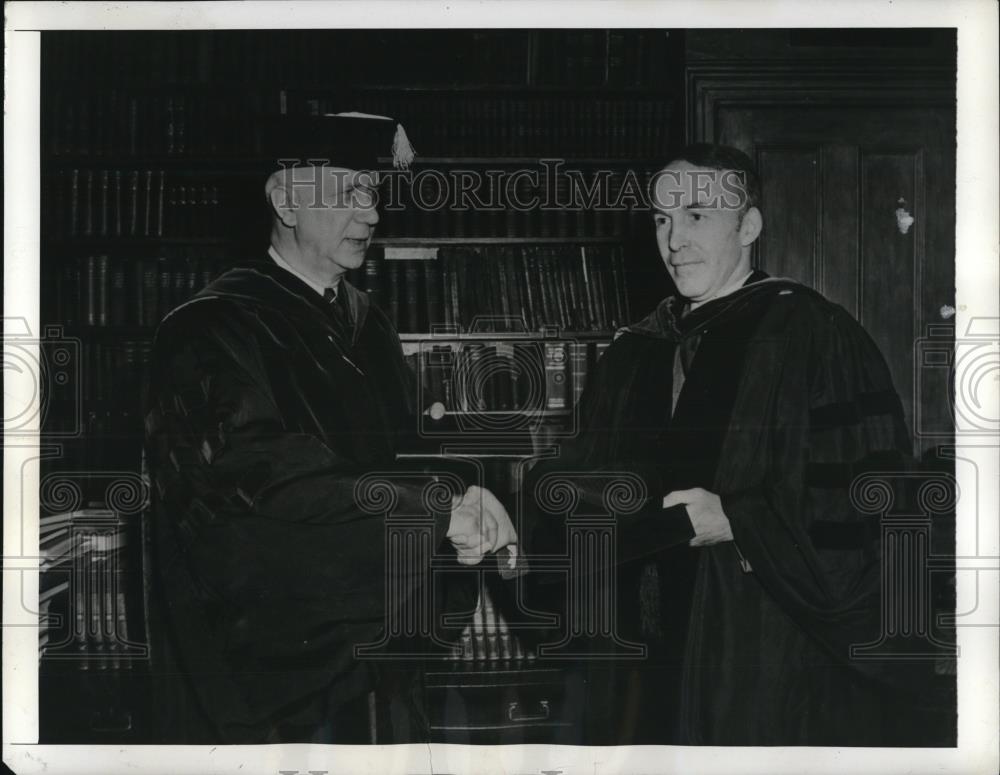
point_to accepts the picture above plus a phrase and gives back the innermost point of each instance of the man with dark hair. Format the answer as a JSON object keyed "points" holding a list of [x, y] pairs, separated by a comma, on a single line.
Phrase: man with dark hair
{"points": [[273, 393], [747, 404]]}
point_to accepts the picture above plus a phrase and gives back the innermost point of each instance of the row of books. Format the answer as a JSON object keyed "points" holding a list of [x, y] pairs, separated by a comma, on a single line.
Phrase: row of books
{"points": [[592, 57], [128, 290], [488, 638], [570, 57], [102, 203], [139, 203], [96, 409], [83, 614], [275, 56], [107, 438], [543, 125], [113, 371], [573, 288], [470, 378], [532, 201], [117, 124]]}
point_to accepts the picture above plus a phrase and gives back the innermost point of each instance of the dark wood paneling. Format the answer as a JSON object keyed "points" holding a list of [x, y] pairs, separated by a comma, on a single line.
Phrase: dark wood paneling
{"points": [[844, 148], [790, 241], [888, 289], [840, 223]]}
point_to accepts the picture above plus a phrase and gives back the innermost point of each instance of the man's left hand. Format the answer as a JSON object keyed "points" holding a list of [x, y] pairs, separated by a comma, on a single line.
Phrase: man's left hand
{"points": [[704, 508]]}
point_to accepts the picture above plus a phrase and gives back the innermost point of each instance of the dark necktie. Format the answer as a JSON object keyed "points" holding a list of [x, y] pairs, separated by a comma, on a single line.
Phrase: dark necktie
{"points": [[337, 303], [683, 356]]}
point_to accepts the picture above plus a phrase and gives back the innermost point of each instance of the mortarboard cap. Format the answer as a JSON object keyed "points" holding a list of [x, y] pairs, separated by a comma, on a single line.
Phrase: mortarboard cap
{"points": [[352, 140]]}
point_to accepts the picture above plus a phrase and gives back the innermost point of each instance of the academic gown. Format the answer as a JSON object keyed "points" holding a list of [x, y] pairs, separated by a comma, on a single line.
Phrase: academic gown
{"points": [[263, 412], [785, 400]]}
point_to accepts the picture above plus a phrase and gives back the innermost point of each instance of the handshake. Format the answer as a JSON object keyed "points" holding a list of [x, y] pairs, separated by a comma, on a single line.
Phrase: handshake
{"points": [[479, 525]]}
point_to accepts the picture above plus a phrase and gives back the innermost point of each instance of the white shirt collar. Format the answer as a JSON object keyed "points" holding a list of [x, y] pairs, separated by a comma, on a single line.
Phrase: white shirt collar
{"points": [[320, 289], [725, 290]]}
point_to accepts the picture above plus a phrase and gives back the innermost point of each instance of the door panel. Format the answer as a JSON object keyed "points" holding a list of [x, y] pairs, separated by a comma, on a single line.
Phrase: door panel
{"points": [[833, 178], [790, 242]]}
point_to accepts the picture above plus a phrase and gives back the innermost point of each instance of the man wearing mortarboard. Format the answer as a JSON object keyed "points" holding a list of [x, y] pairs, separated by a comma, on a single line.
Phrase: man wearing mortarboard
{"points": [[272, 392]]}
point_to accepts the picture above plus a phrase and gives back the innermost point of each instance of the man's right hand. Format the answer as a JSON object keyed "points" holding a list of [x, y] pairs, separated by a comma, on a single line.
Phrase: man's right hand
{"points": [[479, 525]]}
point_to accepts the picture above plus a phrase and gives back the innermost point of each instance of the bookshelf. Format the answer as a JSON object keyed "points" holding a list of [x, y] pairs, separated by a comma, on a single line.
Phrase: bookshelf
{"points": [[152, 184]]}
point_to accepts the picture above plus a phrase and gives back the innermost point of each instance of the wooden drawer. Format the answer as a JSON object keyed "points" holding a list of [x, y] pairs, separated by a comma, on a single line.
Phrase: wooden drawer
{"points": [[468, 704]]}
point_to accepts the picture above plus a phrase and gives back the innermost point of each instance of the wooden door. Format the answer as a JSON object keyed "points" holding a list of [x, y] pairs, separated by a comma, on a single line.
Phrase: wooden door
{"points": [[836, 165]]}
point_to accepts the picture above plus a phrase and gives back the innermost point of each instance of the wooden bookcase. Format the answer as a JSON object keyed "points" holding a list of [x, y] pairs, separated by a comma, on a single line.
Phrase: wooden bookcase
{"points": [[152, 186]]}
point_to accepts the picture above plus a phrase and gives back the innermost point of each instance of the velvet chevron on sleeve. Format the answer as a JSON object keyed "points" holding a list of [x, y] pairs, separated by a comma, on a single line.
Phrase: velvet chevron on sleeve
{"points": [[768, 659], [786, 402]]}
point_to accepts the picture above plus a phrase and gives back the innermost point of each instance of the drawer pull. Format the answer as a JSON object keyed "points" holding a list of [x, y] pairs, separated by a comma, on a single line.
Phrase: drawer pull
{"points": [[515, 712]]}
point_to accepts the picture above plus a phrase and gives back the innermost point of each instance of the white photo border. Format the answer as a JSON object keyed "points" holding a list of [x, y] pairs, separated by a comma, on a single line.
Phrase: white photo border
{"points": [[977, 262]]}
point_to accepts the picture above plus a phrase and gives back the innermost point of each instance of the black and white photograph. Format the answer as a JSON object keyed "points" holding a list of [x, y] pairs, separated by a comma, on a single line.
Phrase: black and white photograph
{"points": [[500, 392]]}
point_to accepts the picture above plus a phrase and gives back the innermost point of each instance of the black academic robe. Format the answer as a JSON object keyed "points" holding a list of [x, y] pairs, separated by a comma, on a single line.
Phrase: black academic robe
{"points": [[785, 400], [263, 412]]}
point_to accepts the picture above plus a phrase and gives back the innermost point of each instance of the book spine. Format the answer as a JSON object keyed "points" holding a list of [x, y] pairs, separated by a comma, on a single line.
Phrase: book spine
{"points": [[133, 203], [120, 635], [170, 126], [600, 292], [540, 261], [392, 268], [118, 203], [97, 578], [466, 293], [504, 636], [159, 203], [456, 298], [562, 291], [576, 308], [133, 125], [178, 286], [578, 365], [556, 395], [626, 306], [502, 286], [503, 377], [529, 281], [90, 291], [479, 629], [147, 203], [80, 596], [102, 288], [617, 282], [483, 287], [588, 291], [73, 288], [466, 645], [432, 293], [412, 289], [108, 618], [148, 292], [119, 293], [492, 630], [448, 307], [191, 285], [373, 286], [163, 288], [88, 204], [104, 202], [516, 282]]}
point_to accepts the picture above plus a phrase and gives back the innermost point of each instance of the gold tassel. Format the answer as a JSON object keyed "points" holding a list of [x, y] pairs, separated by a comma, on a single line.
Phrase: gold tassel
{"points": [[402, 152]]}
